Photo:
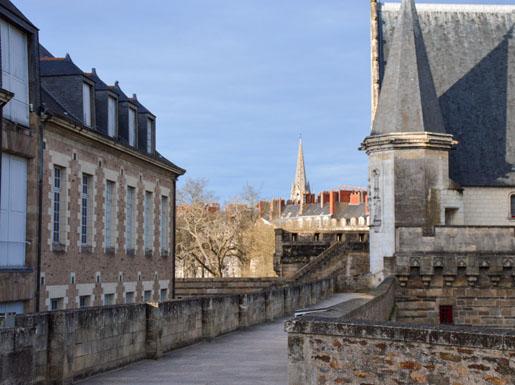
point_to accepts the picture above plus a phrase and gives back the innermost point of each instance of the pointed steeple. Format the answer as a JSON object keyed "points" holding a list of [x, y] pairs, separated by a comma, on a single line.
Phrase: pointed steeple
{"points": [[408, 100], [300, 184]]}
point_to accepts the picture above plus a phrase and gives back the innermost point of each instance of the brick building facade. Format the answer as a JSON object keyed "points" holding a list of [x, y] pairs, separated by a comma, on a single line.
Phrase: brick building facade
{"points": [[108, 195]]}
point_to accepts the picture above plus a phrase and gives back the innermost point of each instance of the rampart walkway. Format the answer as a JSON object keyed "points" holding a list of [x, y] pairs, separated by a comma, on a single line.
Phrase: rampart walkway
{"points": [[255, 356]]}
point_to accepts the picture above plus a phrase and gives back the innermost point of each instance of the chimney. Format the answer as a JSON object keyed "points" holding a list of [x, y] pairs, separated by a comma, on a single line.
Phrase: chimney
{"points": [[333, 196], [355, 198], [261, 208]]}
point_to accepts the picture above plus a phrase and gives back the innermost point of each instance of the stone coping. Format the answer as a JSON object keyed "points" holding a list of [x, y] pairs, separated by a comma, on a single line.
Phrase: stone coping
{"points": [[446, 335]]}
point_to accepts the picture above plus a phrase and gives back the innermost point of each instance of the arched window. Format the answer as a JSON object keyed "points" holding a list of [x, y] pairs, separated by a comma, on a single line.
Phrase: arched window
{"points": [[512, 206]]}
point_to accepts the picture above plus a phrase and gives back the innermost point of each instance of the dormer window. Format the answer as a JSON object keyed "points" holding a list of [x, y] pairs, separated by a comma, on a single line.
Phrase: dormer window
{"points": [[87, 104], [112, 113], [132, 127], [150, 123]]}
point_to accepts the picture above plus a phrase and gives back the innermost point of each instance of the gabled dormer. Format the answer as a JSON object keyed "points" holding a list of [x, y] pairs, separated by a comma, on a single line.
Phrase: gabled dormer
{"points": [[147, 129], [127, 117], [68, 84], [106, 106]]}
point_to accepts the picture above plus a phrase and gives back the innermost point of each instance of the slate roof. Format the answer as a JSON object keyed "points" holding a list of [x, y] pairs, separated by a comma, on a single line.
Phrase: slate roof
{"points": [[10, 7], [122, 97], [99, 83], [58, 66], [54, 107], [141, 108], [43, 52], [408, 101], [469, 50], [343, 210]]}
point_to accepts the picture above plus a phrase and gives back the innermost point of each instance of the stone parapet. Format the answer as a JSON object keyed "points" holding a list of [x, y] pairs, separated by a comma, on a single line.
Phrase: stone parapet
{"points": [[62, 346]]}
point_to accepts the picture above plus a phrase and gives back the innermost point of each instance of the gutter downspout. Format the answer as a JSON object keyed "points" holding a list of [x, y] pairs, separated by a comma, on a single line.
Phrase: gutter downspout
{"points": [[43, 116], [174, 213]]}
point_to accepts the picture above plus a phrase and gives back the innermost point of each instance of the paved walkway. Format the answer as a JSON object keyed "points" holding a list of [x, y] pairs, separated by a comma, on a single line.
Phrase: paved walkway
{"points": [[254, 356]]}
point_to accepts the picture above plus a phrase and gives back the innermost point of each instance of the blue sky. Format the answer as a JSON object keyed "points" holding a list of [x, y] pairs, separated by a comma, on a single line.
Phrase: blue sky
{"points": [[234, 82]]}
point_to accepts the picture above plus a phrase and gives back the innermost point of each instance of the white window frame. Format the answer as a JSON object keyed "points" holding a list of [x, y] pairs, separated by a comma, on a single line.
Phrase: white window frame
{"points": [[58, 180], [150, 124], [15, 71], [112, 116], [110, 214], [148, 219], [130, 217], [132, 126], [87, 104], [164, 224], [86, 209], [13, 211]]}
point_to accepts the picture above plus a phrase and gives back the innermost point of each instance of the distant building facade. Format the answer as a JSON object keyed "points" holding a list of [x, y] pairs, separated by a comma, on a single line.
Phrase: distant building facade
{"points": [[307, 224], [108, 196], [442, 160], [20, 155]]}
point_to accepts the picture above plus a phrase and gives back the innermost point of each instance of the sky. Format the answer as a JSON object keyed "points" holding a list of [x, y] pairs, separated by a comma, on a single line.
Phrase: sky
{"points": [[234, 83]]}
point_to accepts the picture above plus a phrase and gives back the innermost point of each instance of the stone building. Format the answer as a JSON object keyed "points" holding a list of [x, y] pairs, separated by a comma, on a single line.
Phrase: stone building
{"points": [[306, 225], [19, 145], [108, 195], [441, 160]]}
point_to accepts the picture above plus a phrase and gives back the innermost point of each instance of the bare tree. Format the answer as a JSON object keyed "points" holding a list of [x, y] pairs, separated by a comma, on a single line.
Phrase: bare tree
{"points": [[208, 237]]}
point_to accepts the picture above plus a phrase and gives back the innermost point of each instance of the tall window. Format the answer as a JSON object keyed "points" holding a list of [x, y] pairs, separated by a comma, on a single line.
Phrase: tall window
{"points": [[86, 103], [129, 217], [109, 214], [13, 211], [57, 191], [148, 230], [132, 127], [164, 224], [149, 135], [15, 72], [85, 235], [513, 206], [111, 116]]}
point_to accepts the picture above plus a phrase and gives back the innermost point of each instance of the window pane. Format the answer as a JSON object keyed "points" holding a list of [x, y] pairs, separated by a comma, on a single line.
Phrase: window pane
{"points": [[109, 214], [149, 136], [111, 116], [13, 211], [129, 219], [513, 206], [15, 72], [86, 100], [148, 230], [132, 127]]}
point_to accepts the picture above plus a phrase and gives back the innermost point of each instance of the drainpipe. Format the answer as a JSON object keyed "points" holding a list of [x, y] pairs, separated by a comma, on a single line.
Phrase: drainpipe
{"points": [[174, 213], [43, 116]]}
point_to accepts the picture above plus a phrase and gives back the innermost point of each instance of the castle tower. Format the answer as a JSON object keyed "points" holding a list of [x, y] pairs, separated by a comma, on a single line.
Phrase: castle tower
{"points": [[408, 147], [300, 185]]}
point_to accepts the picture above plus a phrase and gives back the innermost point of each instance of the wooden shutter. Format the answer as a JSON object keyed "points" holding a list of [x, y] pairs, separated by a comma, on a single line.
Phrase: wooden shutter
{"points": [[13, 211], [15, 72]]}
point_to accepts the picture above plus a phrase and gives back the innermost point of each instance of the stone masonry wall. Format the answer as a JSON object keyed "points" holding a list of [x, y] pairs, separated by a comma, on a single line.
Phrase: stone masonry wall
{"points": [[323, 353], [58, 347]]}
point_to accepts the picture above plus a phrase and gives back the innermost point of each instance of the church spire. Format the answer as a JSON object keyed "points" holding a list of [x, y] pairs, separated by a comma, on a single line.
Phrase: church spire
{"points": [[300, 184], [408, 100]]}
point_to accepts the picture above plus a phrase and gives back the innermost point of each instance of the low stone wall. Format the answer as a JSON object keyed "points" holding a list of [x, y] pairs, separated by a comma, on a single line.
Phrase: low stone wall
{"points": [[360, 346], [194, 287], [58, 347], [359, 352]]}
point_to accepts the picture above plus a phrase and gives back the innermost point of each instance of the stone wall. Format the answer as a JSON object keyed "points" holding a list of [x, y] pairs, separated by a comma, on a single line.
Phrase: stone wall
{"points": [[58, 347], [192, 287], [322, 352], [348, 345], [471, 268]]}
